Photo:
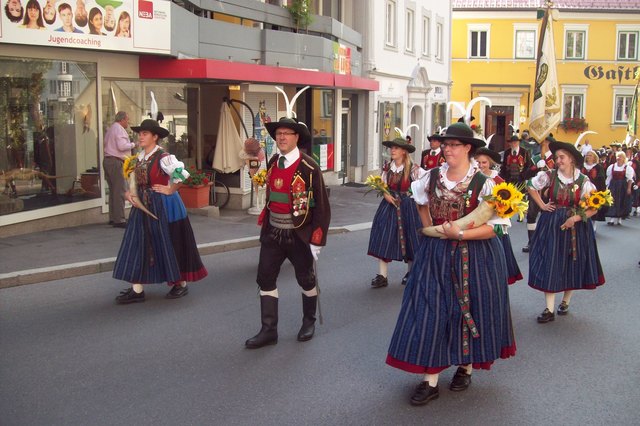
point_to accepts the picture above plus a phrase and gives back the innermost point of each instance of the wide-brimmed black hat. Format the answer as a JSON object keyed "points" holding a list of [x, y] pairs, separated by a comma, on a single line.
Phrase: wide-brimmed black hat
{"points": [[151, 126], [495, 156], [435, 137], [400, 143], [570, 148], [463, 133], [513, 138], [291, 123]]}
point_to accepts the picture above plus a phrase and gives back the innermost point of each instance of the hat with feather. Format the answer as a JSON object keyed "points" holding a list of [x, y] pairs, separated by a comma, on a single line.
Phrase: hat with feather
{"points": [[290, 121], [401, 141]]}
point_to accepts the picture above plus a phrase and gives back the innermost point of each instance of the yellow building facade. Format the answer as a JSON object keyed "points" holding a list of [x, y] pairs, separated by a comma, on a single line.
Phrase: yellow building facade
{"points": [[494, 55]]}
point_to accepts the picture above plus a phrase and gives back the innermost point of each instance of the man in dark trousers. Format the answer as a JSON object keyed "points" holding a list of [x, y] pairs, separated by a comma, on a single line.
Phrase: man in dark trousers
{"points": [[294, 223], [117, 146]]}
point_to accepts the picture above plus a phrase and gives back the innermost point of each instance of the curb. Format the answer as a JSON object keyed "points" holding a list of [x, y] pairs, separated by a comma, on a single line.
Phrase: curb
{"points": [[97, 266]]}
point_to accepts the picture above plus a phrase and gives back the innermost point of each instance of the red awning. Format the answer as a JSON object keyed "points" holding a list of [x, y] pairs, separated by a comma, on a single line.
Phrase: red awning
{"points": [[155, 67]]}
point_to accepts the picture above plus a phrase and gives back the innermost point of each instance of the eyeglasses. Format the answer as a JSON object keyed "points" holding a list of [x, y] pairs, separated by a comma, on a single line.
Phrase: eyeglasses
{"points": [[450, 145], [284, 134]]}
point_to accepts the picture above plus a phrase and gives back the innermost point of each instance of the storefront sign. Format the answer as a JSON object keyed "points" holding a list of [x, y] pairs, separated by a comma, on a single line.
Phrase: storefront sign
{"points": [[621, 72], [341, 59], [115, 25]]}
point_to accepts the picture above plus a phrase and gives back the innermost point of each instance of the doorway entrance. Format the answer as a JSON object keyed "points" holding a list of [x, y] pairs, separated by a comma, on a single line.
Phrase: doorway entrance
{"points": [[499, 123], [345, 136]]}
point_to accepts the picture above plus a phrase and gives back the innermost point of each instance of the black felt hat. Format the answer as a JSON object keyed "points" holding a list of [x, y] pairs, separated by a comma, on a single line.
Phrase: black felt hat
{"points": [[570, 148], [495, 156], [291, 123], [151, 126], [463, 133], [400, 143]]}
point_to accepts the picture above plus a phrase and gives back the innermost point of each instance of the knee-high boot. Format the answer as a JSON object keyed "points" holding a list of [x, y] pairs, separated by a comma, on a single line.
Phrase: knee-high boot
{"points": [[309, 305], [268, 334]]}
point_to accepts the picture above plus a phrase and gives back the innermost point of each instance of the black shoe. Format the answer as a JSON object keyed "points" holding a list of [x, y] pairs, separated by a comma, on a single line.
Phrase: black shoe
{"points": [[546, 316], [120, 225], [129, 296], [525, 249], [461, 380], [177, 291], [405, 279], [379, 281], [424, 393], [268, 334], [563, 308]]}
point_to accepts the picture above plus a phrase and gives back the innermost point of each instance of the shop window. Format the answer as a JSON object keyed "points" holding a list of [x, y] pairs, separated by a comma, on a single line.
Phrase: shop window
{"points": [[322, 124], [390, 114], [438, 115], [48, 134], [627, 45], [622, 105], [177, 112], [572, 106], [575, 44]]}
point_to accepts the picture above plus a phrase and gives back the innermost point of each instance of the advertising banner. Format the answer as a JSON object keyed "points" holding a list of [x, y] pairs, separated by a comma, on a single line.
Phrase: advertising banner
{"points": [[137, 26]]}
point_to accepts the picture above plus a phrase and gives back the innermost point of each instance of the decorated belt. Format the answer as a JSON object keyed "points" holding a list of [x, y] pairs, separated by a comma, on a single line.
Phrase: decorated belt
{"points": [[462, 294], [281, 220]]}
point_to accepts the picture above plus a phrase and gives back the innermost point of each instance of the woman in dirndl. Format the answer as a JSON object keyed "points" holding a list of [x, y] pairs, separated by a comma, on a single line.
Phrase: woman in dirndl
{"points": [[395, 227], [619, 181], [455, 308], [163, 249], [487, 160], [597, 175], [564, 255]]}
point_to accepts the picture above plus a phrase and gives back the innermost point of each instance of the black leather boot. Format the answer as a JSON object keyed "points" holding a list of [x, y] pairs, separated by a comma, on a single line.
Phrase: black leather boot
{"points": [[309, 305], [525, 249], [268, 334]]}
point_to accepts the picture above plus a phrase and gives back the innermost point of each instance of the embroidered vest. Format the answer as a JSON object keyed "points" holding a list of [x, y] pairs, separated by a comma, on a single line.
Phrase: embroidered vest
{"points": [[452, 204], [397, 182], [149, 172], [564, 195], [431, 161], [280, 187], [619, 174]]}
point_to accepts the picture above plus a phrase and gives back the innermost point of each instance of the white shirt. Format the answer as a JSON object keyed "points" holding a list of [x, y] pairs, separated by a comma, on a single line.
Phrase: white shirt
{"points": [[291, 157], [168, 163], [419, 189], [628, 174], [541, 181], [116, 142], [585, 148]]}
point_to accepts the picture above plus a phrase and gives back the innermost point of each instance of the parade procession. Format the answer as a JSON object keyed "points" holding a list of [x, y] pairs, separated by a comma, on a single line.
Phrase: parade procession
{"points": [[301, 212]]}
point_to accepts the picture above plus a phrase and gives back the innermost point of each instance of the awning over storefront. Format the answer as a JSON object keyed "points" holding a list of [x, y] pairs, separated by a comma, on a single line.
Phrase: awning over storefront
{"points": [[154, 67]]}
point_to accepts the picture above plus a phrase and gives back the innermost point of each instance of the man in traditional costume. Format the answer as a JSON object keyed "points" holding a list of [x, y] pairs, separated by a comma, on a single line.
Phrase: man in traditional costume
{"points": [[433, 156], [294, 223]]}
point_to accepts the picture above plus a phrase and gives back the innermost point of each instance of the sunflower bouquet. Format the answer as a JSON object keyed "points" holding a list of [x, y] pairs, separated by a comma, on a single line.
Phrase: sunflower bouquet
{"points": [[593, 201], [507, 200], [376, 183], [260, 177], [129, 165]]}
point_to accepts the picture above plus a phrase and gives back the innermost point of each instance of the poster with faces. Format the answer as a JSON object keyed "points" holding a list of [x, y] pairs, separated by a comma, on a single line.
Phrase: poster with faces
{"points": [[116, 25]]}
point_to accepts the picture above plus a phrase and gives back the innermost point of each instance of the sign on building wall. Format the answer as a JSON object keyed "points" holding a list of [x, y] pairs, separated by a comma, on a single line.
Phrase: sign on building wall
{"points": [[341, 59], [115, 25]]}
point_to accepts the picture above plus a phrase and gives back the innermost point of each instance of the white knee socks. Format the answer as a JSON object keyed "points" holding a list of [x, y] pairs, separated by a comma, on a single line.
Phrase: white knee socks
{"points": [[272, 293], [137, 288], [311, 293], [550, 298], [384, 268], [432, 379]]}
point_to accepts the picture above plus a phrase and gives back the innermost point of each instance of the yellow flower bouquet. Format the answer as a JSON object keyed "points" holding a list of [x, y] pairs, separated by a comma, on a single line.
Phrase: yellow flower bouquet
{"points": [[260, 178], [128, 167], [593, 201], [506, 200], [376, 183]]}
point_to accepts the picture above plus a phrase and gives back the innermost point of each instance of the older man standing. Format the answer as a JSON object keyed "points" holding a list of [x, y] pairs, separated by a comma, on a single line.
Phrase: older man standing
{"points": [[117, 146]]}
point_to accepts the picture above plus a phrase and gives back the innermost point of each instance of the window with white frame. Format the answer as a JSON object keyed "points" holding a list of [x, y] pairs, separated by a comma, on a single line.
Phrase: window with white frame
{"points": [[426, 36], [575, 41], [572, 106], [439, 41], [525, 44], [573, 101], [409, 31], [390, 24], [478, 41], [622, 98], [628, 45]]}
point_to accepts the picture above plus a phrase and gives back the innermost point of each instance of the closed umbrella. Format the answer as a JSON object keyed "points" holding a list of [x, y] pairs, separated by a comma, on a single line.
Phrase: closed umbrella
{"points": [[228, 144]]}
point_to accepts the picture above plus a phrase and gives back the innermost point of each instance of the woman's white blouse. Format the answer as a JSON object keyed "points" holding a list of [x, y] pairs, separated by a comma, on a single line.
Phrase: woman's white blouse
{"points": [[541, 181], [168, 163]]}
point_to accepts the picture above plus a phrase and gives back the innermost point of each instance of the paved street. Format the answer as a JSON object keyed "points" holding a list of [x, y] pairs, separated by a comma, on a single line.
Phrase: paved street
{"points": [[70, 356]]}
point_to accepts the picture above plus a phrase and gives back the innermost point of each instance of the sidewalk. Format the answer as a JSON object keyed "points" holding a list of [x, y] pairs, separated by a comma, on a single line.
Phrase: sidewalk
{"points": [[83, 250]]}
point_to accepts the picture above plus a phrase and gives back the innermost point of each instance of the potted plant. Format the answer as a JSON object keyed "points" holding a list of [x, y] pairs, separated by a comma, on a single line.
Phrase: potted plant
{"points": [[300, 11], [576, 124], [195, 189]]}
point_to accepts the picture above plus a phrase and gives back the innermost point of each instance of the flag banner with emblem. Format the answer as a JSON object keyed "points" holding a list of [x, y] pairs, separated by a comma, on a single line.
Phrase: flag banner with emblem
{"points": [[545, 110]]}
